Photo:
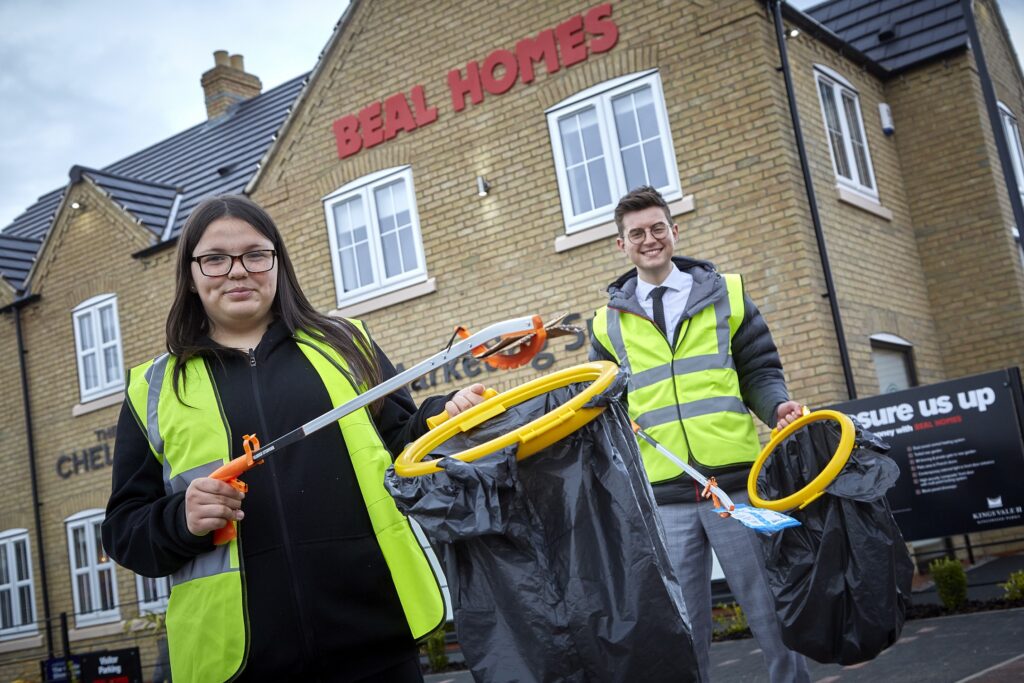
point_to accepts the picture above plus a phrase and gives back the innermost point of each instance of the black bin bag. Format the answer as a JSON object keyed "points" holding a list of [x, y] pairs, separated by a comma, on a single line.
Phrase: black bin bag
{"points": [[841, 580], [556, 564]]}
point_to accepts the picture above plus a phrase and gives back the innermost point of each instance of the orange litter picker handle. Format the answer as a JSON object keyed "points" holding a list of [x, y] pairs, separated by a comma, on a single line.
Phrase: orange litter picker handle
{"points": [[229, 473], [509, 361]]}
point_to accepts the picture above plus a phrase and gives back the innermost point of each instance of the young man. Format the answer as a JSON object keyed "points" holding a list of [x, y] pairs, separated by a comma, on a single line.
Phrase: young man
{"points": [[699, 354]]}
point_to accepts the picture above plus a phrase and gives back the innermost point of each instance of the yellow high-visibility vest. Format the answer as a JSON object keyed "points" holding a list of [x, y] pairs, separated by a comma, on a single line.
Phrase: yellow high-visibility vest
{"points": [[687, 397], [207, 627]]}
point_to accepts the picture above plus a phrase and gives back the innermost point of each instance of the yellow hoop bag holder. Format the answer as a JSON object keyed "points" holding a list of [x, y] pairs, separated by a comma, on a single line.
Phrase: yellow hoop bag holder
{"points": [[540, 510], [840, 580]]}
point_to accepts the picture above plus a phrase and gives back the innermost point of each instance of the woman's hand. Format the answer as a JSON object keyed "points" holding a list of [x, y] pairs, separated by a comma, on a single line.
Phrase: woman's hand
{"points": [[787, 413], [465, 399], [210, 504]]}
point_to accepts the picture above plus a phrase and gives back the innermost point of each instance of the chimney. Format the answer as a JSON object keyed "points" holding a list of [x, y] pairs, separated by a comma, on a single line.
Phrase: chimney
{"points": [[227, 83]]}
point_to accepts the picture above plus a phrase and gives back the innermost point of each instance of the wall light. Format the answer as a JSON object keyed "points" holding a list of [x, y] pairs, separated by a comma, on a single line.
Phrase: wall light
{"points": [[77, 206], [482, 186], [794, 32]]}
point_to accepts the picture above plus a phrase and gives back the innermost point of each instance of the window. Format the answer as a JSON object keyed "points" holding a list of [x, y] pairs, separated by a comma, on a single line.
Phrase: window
{"points": [[894, 362], [840, 107], [93, 583], [17, 595], [374, 233], [1014, 145], [98, 347], [153, 593], [608, 140]]}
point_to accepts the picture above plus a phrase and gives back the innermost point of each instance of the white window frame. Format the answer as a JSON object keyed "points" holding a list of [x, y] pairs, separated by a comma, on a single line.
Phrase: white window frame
{"points": [[600, 98], [1011, 130], [884, 341], [1013, 142], [381, 284], [94, 573], [839, 86], [90, 312], [8, 540], [162, 588]]}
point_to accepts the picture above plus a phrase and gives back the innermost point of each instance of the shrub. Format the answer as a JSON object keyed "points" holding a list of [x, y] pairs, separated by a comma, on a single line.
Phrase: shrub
{"points": [[1014, 586], [950, 582], [434, 647], [730, 620]]}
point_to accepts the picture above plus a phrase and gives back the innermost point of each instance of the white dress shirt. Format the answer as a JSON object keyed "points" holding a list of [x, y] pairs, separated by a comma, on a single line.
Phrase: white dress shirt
{"points": [[674, 299]]}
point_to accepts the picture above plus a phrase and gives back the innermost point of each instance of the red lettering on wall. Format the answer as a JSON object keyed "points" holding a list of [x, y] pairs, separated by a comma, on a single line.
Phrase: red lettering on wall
{"points": [[460, 87], [346, 133], [571, 41], [497, 85], [424, 114], [598, 23], [530, 50], [397, 116], [371, 125]]}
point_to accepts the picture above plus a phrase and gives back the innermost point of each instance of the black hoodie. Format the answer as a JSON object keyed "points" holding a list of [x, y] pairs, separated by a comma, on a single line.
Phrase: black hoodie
{"points": [[762, 384], [320, 600]]}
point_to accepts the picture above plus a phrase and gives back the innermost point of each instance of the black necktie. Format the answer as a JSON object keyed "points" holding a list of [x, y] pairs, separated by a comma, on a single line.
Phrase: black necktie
{"points": [[659, 308]]}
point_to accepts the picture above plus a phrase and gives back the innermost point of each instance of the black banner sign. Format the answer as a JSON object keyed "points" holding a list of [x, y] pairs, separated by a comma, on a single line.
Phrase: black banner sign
{"points": [[107, 666], [960, 452]]}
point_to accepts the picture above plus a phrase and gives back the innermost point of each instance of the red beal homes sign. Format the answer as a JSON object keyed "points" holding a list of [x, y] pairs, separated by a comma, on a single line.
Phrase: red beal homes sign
{"points": [[569, 43]]}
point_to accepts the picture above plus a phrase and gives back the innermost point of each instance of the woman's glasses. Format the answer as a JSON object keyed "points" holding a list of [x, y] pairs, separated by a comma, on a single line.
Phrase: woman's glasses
{"points": [[217, 265]]}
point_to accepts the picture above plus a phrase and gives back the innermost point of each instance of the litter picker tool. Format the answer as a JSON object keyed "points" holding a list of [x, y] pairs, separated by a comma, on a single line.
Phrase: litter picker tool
{"points": [[763, 521], [516, 346], [816, 488]]}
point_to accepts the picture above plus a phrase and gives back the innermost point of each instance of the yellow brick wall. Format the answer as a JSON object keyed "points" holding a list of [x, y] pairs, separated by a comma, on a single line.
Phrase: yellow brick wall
{"points": [[494, 258], [959, 204], [89, 253]]}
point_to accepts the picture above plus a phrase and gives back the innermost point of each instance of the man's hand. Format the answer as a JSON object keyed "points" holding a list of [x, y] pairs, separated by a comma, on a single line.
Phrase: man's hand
{"points": [[465, 399], [787, 413], [210, 504]]}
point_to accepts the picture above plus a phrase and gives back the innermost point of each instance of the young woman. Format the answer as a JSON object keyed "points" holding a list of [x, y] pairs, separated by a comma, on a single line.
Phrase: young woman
{"points": [[325, 580]]}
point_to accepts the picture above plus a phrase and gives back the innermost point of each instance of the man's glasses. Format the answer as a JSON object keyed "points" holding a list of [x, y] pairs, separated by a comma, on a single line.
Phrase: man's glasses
{"points": [[637, 235], [217, 265]]}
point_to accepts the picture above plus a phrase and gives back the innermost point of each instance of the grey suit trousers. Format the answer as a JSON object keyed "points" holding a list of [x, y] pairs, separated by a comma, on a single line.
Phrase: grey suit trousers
{"points": [[691, 531]]}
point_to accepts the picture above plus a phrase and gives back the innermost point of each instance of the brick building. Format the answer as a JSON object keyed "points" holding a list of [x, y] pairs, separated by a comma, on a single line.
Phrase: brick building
{"points": [[467, 174]]}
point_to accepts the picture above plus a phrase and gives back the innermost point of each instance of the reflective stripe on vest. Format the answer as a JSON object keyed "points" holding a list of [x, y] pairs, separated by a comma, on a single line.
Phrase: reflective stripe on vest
{"points": [[693, 386], [207, 628]]}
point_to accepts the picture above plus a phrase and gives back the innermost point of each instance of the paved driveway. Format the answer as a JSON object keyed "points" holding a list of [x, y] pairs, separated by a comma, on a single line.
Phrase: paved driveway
{"points": [[987, 647]]}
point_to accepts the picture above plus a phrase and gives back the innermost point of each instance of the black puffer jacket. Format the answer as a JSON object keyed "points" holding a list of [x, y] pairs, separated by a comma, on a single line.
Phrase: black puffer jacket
{"points": [[321, 602], [762, 383]]}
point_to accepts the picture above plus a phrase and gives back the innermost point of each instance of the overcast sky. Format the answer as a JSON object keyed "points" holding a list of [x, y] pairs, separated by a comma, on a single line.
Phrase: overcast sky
{"points": [[89, 82]]}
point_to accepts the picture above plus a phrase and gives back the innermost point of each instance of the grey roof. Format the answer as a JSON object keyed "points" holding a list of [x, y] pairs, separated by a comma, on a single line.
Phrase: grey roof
{"points": [[897, 34], [152, 204], [16, 256], [161, 184]]}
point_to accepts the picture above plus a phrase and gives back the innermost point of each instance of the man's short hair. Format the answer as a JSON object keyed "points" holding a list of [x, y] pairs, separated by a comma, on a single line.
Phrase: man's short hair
{"points": [[639, 199]]}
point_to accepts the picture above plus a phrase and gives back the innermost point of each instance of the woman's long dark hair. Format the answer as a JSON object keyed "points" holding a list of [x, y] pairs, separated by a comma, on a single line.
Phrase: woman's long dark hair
{"points": [[187, 322]]}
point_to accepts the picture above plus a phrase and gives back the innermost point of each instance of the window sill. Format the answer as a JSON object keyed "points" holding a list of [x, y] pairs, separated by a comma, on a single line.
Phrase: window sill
{"points": [[20, 642], [111, 628], [97, 404], [388, 299], [863, 203], [600, 232]]}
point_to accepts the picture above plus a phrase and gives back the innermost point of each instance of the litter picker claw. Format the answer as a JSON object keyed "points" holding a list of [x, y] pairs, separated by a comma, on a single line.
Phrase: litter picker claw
{"points": [[763, 521], [521, 332]]}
